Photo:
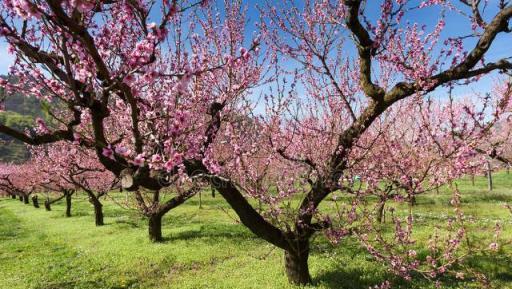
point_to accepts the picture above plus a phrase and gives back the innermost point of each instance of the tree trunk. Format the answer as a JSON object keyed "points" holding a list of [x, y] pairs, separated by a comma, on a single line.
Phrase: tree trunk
{"points": [[25, 199], [98, 212], [47, 205], [296, 264], [155, 228], [21, 198], [68, 205], [473, 180], [200, 201], [380, 211], [35, 201], [489, 176], [13, 197]]}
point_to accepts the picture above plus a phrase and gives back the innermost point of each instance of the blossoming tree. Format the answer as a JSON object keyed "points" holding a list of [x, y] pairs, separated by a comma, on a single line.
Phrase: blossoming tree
{"points": [[78, 169], [20, 180], [313, 135]]}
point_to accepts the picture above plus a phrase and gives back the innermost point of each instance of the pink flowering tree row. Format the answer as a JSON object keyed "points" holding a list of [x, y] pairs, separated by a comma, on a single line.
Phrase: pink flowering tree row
{"points": [[19, 180], [66, 173]]}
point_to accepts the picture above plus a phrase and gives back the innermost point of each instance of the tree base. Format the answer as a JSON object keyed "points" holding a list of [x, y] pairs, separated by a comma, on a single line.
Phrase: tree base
{"points": [[47, 205], [297, 269], [98, 215], [155, 228], [35, 202]]}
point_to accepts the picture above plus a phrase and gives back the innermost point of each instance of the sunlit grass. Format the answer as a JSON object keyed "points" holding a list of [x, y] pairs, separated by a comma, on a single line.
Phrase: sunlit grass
{"points": [[208, 248]]}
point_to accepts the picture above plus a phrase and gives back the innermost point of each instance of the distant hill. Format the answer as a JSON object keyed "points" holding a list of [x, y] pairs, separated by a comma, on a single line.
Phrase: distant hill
{"points": [[20, 113]]}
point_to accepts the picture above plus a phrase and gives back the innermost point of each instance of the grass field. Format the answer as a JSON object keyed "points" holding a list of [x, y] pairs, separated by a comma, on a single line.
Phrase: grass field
{"points": [[207, 248]]}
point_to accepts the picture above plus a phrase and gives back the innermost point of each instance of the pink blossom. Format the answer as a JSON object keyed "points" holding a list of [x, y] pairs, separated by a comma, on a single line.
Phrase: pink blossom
{"points": [[41, 126], [108, 152], [139, 160]]}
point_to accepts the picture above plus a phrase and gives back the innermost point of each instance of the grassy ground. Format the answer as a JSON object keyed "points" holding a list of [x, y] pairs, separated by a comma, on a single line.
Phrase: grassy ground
{"points": [[207, 248]]}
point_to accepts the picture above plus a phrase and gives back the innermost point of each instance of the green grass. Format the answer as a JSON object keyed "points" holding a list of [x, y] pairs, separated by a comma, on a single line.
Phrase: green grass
{"points": [[208, 248]]}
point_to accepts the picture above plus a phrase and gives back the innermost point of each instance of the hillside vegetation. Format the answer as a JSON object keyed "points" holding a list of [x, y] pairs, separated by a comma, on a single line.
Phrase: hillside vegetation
{"points": [[20, 113]]}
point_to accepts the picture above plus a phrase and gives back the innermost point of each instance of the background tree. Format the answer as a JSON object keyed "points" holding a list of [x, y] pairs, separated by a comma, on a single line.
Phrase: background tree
{"points": [[77, 169], [20, 179]]}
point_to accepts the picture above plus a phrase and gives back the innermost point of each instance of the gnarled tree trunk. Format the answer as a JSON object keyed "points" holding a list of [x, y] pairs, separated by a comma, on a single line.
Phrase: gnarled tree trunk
{"points": [[155, 227], [296, 263], [157, 210]]}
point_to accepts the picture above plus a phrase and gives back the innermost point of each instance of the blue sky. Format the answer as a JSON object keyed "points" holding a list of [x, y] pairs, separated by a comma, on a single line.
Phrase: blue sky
{"points": [[5, 58], [429, 16]]}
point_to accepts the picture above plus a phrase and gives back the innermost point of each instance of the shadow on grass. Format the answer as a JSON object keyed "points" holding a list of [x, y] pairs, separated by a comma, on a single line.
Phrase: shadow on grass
{"points": [[343, 279], [212, 233], [488, 197], [208, 202], [363, 279], [127, 223], [84, 284], [498, 269]]}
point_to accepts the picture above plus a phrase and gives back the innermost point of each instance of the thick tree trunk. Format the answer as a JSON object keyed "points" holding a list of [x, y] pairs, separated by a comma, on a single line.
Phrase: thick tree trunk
{"points": [[35, 201], [98, 212], [21, 198], [296, 264], [47, 205], [155, 228], [68, 205], [13, 196], [25, 200]]}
